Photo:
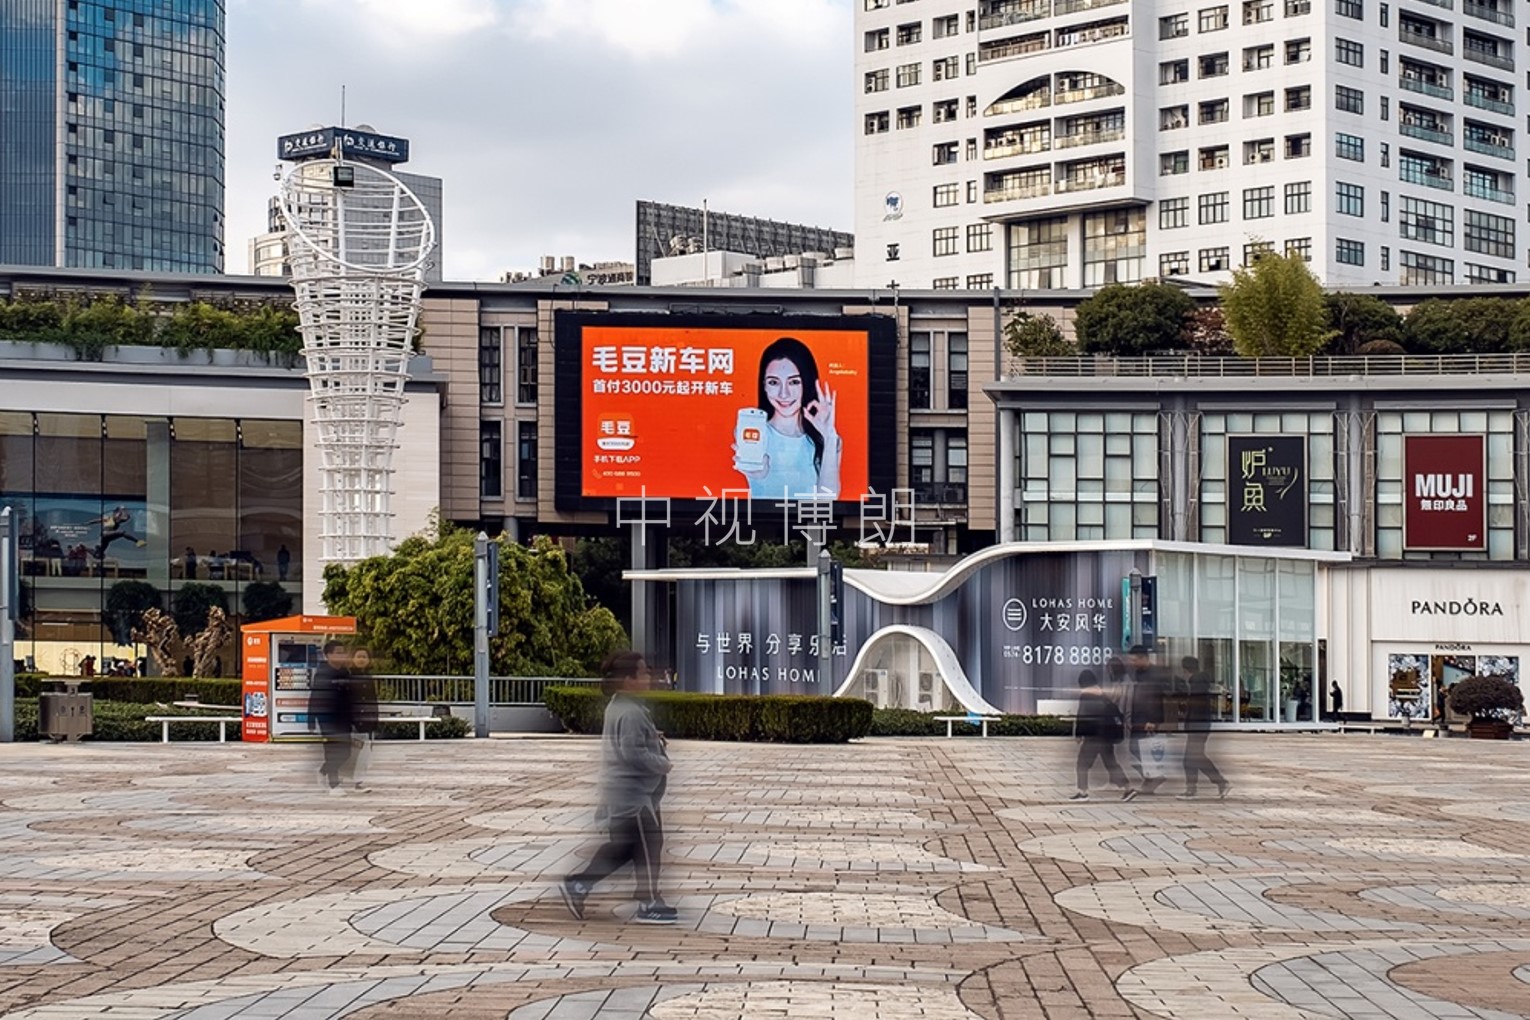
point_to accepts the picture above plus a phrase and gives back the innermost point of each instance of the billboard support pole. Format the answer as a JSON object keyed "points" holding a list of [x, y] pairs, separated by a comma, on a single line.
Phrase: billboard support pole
{"points": [[10, 570], [481, 571], [825, 624]]}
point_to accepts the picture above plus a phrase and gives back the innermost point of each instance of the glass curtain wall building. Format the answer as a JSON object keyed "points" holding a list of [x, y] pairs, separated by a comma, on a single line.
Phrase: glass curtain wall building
{"points": [[108, 499], [111, 125]]}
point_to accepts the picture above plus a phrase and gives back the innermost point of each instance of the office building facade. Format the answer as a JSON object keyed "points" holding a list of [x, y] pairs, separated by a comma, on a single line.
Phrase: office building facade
{"points": [[111, 122], [1037, 144]]}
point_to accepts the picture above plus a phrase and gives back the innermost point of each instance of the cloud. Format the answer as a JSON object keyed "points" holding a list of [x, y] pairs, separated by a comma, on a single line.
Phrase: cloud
{"points": [[546, 130], [401, 22]]}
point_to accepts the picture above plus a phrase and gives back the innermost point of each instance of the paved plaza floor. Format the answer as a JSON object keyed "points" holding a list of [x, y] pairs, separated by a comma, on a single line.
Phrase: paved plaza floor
{"points": [[1345, 876]]}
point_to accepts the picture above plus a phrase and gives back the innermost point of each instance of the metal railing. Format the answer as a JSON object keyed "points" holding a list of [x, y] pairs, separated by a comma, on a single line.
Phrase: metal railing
{"points": [[458, 690], [1428, 42], [1429, 179], [1426, 87], [1487, 147], [1014, 16], [1489, 12], [1483, 101], [1426, 132], [1477, 190], [1197, 365], [1491, 58]]}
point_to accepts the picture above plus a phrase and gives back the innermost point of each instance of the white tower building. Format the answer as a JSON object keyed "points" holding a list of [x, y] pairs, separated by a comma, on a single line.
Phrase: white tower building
{"points": [[1069, 143], [359, 241]]}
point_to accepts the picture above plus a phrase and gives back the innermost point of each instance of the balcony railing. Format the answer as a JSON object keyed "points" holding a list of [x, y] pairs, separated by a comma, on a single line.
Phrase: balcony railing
{"points": [[1016, 48], [1487, 191], [1427, 88], [1086, 94], [1427, 132], [1090, 137], [1449, 5], [1486, 102], [940, 494], [1014, 16], [1016, 147], [458, 690], [1084, 36], [1428, 178], [1488, 12], [1491, 58], [1190, 366], [1061, 7], [1037, 100], [1428, 42], [1501, 150], [1089, 182], [1014, 192]]}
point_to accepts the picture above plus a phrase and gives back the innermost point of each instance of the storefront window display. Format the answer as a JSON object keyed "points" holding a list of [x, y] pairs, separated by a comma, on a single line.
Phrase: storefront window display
{"points": [[103, 500]]}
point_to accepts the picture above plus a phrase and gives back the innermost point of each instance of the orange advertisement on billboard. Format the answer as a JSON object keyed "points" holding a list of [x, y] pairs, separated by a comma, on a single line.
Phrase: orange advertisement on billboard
{"points": [[710, 412]]}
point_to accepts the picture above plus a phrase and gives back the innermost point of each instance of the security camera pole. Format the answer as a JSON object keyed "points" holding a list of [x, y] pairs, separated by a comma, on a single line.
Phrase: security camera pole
{"points": [[485, 625]]}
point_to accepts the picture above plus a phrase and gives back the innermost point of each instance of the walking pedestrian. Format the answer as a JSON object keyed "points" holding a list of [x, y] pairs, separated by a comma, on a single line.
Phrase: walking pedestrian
{"points": [[329, 711], [363, 701], [633, 776], [1143, 708], [1336, 699], [1099, 729], [1199, 712]]}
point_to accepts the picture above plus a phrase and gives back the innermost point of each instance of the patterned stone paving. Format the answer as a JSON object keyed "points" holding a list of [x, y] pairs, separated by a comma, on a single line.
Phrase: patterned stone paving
{"points": [[1350, 877]]}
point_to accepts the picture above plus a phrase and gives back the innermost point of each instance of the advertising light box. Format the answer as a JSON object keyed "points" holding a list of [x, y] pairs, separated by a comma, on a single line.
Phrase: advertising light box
{"points": [[1445, 493], [699, 408]]}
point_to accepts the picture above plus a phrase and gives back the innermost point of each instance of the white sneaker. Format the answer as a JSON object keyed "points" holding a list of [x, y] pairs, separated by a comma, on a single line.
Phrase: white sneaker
{"points": [[335, 791]]}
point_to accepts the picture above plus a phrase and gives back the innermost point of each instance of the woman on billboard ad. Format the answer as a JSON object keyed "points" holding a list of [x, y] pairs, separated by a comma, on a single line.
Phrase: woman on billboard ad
{"points": [[786, 447]]}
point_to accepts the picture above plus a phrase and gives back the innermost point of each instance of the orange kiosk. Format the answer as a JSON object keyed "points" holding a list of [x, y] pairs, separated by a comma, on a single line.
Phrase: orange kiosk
{"points": [[279, 660]]}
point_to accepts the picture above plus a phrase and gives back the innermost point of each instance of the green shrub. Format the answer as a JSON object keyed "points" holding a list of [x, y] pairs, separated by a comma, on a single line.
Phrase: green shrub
{"points": [[143, 690], [448, 727], [1487, 697], [904, 722], [731, 717], [115, 721]]}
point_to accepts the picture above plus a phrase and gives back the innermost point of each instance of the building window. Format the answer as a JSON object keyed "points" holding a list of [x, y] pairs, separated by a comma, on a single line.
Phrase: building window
{"points": [[1212, 65], [1386, 207], [526, 366], [956, 371], [1258, 11], [1425, 270], [947, 69], [1260, 104], [910, 34], [1430, 222], [491, 464], [1386, 258], [945, 283], [877, 81], [947, 194], [1173, 72], [1214, 157], [1038, 253], [919, 348], [1174, 263], [1260, 150], [980, 281], [1087, 475], [526, 461], [1298, 197], [1214, 260], [1349, 147], [1300, 247], [1299, 98], [877, 40], [1298, 51], [1171, 164], [945, 111], [1259, 203], [491, 366], [956, 463], [1346, 51], [1212, 19], [1254, 250], [921, 459], [1173, 212], [1174, 26], [1115, 243], [1350, 9], [1214, 111], [1489, 235], [1213, 208], [972, 192], [878, 123], [1298, 146], [1172, 118], [909, 116], [1350, 253], [945, 240], [1296, 8], [1488, 274], [946, 27], [1349, 199], [980, 237], [908, 75], [1257, 58], [1348, 100], [944, 154]]}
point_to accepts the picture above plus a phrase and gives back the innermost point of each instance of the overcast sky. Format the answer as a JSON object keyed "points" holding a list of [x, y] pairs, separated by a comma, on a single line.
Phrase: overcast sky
{"points": [[548, 119]]}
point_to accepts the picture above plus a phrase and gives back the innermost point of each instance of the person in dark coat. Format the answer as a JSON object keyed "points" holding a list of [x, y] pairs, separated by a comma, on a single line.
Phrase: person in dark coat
{"points": [[330, 712], [1141, 701], [1200, 710], [1099, 729], [363, 701]]}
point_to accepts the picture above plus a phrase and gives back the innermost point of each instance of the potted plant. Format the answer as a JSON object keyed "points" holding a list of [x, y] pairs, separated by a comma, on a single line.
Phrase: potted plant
{"points": [[1493, 703]]}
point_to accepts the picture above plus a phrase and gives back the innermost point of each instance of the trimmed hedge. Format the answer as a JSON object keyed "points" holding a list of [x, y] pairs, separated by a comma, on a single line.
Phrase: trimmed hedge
{"points": [[141, 690], [733, 717], [448, 727], [123, 721], [905, 722]]}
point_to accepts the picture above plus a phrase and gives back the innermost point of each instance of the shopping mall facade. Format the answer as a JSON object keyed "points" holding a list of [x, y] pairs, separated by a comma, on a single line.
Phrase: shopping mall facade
{"points": [[1364, 523]]}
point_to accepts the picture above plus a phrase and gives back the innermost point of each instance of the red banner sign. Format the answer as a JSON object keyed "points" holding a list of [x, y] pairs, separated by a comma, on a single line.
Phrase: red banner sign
{"points": [[1445, 493]]}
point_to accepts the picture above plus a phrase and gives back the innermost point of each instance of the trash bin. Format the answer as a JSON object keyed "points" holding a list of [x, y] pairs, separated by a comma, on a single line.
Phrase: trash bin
{"points": [[65, 713]]}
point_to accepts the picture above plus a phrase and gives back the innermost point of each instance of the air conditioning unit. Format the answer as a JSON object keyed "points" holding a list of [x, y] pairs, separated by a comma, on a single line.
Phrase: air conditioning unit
{"points": [[873, 683]]}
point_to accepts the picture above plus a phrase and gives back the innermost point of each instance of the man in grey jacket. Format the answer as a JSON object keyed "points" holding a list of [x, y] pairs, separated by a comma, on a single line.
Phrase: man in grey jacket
{"points": [[633, 775]]}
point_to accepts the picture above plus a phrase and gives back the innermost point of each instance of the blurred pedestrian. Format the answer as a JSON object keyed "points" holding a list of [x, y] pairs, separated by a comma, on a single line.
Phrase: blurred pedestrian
{"points": [[363, 701], [1143, 707], [1200, 710], [633, 776], [1336, 699], [1098, 727], [329, 710]]}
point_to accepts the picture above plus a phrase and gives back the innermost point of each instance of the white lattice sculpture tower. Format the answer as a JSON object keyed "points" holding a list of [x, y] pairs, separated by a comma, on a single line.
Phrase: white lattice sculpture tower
{"points": [[358, 263]]}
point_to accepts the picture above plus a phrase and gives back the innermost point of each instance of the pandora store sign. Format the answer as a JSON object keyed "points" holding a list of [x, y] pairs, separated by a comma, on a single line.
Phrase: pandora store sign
{"points": [[1482, 605]]}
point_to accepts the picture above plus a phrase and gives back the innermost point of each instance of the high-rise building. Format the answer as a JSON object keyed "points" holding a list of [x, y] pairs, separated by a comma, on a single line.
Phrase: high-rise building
{"points": [[269, 252], [665, 231], [111, 134], [1067, 143]]}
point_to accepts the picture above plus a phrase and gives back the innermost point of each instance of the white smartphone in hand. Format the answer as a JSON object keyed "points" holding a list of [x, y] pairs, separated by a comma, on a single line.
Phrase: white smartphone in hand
{"points": [[749, 437]]}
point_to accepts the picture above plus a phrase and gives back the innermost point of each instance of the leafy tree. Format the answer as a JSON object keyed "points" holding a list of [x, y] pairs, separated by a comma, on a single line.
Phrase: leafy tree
{"points": [[266, 600], [1358, 319], [415, 608], [1275, 308], [1375, 347], [1130, 320], [192, 602], [1462, 326], [1035, 336], [126, 603], [1206, 333], [1519, 331]]}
